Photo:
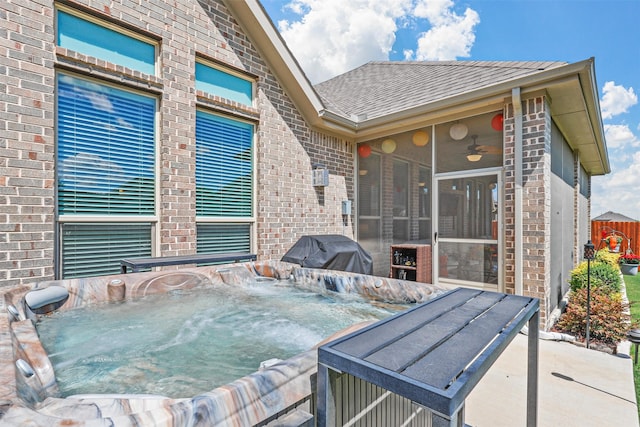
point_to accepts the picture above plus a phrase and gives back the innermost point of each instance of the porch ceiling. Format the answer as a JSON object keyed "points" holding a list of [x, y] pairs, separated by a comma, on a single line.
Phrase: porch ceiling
{"points": [[574, 116]]}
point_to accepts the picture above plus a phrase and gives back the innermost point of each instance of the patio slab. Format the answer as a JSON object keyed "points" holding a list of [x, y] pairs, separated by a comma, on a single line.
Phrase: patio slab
{"points": [[577, 387]]}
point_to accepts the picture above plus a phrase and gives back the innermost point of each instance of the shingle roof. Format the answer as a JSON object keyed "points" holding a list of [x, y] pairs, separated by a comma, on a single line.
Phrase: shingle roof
{"points": [[380, 88], [613, 217]]}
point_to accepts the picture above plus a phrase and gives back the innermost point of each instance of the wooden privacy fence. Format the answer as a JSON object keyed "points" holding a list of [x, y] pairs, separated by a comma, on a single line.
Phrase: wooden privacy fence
{"points": [[628, 230]]}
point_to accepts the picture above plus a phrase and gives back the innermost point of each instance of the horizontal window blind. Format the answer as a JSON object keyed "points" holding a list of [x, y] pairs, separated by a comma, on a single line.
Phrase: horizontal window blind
{"points": [[223, 238], [106, 149], [93, 249], [224, 166], [104, 43], [225, 85]]}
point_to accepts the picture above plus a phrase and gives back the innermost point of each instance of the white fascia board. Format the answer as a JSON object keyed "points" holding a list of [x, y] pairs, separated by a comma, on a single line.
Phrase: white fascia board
{"points": [[255, 22]]}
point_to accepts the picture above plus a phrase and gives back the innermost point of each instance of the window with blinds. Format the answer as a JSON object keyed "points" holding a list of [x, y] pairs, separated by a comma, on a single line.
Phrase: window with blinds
{"points": [[106, 168], [106, 149], [224, 166], [224, 182], [87, 35], [223, 238], [95, 249]]}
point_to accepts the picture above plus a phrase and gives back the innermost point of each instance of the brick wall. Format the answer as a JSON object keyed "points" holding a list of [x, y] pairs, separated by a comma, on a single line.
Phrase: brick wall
{"points": [[287, 206], [536, 209], [26, 143]]}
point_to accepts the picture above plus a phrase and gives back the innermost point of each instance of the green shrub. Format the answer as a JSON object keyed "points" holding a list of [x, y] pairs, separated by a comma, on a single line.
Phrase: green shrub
{"points": [[607, 257], [608, 322], [603, 275]]}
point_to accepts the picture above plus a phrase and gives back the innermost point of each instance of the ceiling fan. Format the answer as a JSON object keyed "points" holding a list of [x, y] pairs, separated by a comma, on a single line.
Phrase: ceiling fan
{"points": [[475, 150]]}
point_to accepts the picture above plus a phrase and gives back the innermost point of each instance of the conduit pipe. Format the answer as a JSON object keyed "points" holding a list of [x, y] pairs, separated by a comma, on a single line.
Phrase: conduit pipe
{"points": [[518, 196]]}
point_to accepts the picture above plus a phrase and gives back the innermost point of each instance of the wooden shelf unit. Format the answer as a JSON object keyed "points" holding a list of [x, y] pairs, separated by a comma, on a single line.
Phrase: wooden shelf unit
{"points": [[414, 262]]}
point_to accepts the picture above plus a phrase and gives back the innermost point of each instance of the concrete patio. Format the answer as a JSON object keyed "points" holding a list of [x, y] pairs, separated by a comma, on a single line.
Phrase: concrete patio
{"points": [[577, 387]]}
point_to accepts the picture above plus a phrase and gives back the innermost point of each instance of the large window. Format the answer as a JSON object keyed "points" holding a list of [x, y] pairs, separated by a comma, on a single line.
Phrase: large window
{"points": [[105, 175], [394, 192], [105, 149], [92, 37], [224, 183]]}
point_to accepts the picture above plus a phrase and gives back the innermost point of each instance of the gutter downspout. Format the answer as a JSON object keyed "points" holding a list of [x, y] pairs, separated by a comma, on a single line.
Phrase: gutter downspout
{"points": [[518, 197]]}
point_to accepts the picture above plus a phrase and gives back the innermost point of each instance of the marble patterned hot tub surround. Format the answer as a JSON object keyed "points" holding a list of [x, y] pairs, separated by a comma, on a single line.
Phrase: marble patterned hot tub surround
{"points": [[27, 346], [250, 400], [244, 402], [376, 288]]}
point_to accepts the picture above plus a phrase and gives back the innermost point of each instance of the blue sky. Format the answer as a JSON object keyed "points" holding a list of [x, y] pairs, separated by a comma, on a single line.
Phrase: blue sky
{"points": [[329, 37]]}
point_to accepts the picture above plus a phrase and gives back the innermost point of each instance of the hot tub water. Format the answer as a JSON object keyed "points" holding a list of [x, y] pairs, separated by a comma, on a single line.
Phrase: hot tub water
{"points": [[187, 342]]}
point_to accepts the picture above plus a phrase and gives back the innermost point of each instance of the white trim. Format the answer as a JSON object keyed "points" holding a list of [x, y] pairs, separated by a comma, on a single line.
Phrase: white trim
{"points": [[106, 219]]}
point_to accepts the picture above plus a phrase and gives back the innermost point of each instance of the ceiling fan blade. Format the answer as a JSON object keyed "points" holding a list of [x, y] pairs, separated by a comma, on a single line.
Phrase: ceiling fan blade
{"points": [[490, 149]]}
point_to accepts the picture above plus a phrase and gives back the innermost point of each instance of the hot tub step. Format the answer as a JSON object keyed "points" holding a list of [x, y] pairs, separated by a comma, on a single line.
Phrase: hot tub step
{"points": [[298, 418]]}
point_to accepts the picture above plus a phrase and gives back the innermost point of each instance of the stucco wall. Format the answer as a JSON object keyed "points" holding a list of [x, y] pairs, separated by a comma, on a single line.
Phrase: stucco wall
{"points": [[565, 215]]}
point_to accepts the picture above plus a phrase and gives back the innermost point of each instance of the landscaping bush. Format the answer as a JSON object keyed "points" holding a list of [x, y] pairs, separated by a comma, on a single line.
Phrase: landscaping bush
{"points": [[604, 276], [608, 322], [608, 257]]}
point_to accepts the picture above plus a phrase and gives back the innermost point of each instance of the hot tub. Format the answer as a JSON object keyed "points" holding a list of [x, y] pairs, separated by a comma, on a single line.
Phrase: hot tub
{"points": [[29, 391]]}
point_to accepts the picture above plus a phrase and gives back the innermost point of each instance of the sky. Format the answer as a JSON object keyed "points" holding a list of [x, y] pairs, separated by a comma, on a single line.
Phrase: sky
{"points": [[330, 37]]}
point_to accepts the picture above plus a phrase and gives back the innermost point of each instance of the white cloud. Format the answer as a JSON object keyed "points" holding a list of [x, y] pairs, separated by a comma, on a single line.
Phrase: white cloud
{"points": [[330, 37], [334, 36], [620, 136], [616, 100], [618, 191], [451, 35]]}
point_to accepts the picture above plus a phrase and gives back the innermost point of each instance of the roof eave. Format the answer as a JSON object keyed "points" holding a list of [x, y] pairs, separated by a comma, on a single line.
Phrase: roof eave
{"points": [[576, 81], [590, 89], [257, 25]]}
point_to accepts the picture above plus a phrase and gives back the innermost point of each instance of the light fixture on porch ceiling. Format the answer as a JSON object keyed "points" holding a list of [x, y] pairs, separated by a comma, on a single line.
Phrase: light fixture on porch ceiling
{"points": [[474, 154], [388, 146], [364, 150], [458, 131], [474, 157], [420, 138], [497, 122]]}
